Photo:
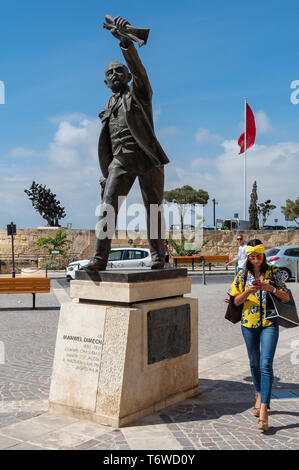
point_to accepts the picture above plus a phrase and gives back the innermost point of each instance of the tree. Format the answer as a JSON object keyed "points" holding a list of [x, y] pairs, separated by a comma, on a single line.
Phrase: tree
{"points": [[291, 210], [264, 209], [253, 209], [59, 242], [184, 196], [179, 249], [44, 202]]}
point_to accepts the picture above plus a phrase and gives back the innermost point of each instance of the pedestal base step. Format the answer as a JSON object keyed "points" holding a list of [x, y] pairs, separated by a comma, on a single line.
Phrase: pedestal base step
{"points": [[117, 422]]}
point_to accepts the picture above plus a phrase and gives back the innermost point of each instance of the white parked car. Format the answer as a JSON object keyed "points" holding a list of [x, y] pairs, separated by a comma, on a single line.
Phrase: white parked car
{"points": [[129, 258], [285, 258], [118, 258], [73, 267]]}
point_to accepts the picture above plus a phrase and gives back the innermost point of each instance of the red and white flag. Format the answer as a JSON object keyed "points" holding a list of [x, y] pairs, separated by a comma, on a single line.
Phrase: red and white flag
{"points": [[250, 131]]}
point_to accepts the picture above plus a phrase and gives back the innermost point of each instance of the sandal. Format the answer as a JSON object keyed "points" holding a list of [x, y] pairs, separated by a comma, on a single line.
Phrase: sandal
{"points": [[263, 426]]}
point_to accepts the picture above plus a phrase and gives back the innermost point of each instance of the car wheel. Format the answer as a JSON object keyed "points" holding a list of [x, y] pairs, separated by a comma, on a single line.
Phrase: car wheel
{"points": [[286, 274], [68, 278]]}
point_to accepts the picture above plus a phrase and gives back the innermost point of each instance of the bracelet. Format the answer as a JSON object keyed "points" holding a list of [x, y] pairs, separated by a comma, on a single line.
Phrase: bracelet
{"points": [[274, 291]]}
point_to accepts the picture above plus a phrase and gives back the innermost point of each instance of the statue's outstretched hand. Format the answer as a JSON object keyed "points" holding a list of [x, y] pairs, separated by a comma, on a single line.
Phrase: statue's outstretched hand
{"points": [[116, 34], [119, 32], [120, 23]]}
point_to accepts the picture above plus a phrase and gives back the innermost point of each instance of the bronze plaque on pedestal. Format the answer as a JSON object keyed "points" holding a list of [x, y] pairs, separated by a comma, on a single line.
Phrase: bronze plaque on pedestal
{"points": [[169, 333]]}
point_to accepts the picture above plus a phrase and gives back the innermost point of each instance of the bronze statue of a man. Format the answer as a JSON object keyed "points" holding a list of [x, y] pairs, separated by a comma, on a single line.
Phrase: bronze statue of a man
{"points": [[128, 147]]}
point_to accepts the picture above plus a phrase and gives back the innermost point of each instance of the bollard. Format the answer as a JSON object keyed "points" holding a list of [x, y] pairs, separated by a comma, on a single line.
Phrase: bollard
{"points": [[204, 274]]}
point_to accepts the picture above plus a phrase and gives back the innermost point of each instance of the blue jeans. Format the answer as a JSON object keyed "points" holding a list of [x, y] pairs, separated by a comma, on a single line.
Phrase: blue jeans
{"points": [[261, 345]]}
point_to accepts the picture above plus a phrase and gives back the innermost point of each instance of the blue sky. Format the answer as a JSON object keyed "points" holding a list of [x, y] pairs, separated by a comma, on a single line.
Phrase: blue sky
{"points": [[202, 59]]}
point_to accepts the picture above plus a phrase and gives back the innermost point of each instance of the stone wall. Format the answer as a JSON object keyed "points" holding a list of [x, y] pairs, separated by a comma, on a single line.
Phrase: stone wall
{"points": [[27, 254], [224, 242], [82, 244]]}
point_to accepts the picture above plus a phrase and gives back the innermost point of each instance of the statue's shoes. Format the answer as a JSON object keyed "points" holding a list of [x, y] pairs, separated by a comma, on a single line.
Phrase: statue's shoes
{"points": [[157, 265], [95, 265]]}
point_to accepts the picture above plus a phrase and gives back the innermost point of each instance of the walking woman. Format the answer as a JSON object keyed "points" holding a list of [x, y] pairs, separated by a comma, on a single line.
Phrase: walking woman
{"points": [[250, 288]]}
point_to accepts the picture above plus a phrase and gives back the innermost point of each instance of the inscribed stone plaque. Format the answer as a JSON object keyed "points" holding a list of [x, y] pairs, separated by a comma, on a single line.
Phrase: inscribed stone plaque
{"points": [[77, 358], [169, 333]]}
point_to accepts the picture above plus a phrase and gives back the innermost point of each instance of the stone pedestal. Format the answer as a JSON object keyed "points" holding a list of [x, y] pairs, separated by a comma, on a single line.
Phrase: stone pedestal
{"points": [[126, 346]]}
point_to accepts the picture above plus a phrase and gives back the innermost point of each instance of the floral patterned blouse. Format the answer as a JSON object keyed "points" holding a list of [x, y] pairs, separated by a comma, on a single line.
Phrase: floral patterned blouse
{"points": [[254, 307]]}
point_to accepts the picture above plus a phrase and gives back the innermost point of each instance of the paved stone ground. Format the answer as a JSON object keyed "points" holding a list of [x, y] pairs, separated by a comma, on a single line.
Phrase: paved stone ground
{"points": [[219, 418]]}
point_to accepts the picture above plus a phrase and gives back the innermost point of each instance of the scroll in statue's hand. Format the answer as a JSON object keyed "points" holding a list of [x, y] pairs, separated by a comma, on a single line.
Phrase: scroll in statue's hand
{"points": [[125, 32], [117, 27]]}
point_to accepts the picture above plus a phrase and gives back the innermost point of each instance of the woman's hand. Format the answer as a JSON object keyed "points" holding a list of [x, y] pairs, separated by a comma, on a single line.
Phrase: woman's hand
{"points": [[266, 286], [252, 289], [240, 299], [281, 295]]}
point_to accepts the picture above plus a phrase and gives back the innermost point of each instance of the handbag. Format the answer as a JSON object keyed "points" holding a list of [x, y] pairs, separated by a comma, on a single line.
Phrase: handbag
{"points": [[233, 312], [283, 313]]}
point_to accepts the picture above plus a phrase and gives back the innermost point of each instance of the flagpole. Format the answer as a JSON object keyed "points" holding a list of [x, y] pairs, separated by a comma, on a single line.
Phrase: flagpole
{"points": [[245, 141]]}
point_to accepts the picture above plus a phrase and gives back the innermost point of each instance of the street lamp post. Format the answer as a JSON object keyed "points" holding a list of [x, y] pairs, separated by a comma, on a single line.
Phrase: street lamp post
{"points": [[12, 230], [214, 211]]}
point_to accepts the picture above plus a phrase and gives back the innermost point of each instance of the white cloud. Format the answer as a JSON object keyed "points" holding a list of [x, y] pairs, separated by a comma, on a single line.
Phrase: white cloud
{"points": [[22, 152], [156, 113], [203, 163], [169, 131], [204, 135], [74, 143], [262, 123], [275, 168], [71, 117], [69, 167]]}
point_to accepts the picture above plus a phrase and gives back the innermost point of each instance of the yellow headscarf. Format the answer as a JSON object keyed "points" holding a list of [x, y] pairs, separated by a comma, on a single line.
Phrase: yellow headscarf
{"points": [[255, 249]]}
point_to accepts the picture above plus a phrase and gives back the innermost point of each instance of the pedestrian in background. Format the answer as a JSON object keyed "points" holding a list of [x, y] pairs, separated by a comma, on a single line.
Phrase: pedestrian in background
{"points": [[131, 243], [250, 288], [166, 250], [242, 256]]}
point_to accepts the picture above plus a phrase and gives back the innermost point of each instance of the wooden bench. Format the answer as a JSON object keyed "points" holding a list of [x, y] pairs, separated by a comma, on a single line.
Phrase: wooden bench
{"points": [[204, 259], [209, 259], [187, 260], [25, 285]]}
